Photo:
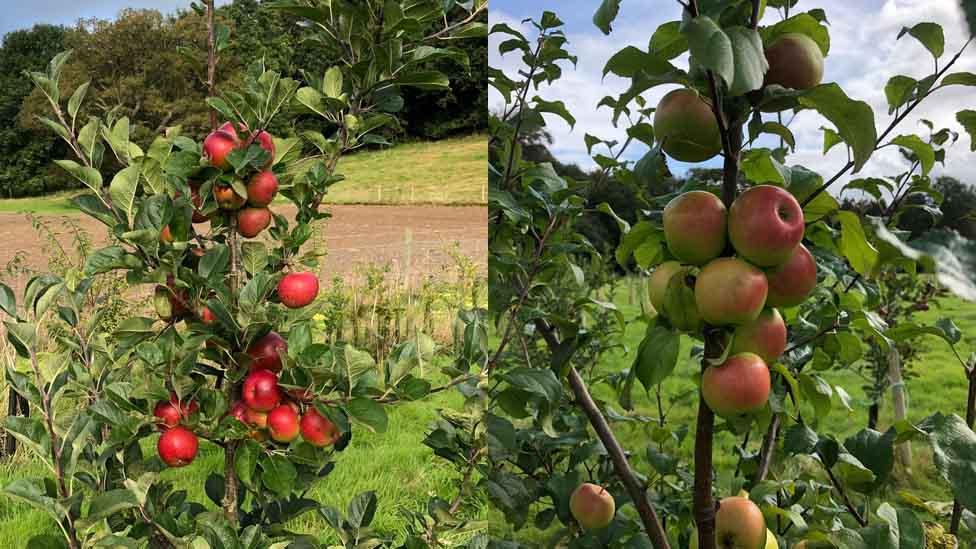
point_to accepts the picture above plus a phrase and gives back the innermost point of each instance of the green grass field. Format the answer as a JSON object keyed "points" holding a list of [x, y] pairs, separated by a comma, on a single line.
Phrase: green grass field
{"points": [[396, 465], [445, 172], [939, 387]]}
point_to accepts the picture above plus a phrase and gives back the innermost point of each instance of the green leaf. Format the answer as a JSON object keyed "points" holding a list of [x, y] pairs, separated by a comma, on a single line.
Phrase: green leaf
{"points": [[710, 46], [108, 503], [278, 474], [954, 452], [959, 79], [555, 107], [967, 119], [425, 80], [630, 61], [759, 166], [254, 256], [923, 151], [782, 131], [854, 119], [657, 356], [76, 99], [111, 258], [8, 301], [89, 176], [899, 90], [369, 413], [246, 461], [853, 473], [667, 42], [32, 492], [817, 392], [361, 510], [605, 15], [875, 450], [332, 85], [930, 35], [750, 63], [123, 189], [854, 243], [801, 23], [215, 261]]}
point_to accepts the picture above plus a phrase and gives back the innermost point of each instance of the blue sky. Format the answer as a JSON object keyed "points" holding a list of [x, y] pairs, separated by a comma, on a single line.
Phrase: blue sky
{"points": [[864, 54], [20, 14]]}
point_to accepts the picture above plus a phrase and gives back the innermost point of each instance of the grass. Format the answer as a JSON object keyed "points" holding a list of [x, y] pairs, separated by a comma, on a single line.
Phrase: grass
{"points": [[447, 172], [940, 387], [403, 472]]}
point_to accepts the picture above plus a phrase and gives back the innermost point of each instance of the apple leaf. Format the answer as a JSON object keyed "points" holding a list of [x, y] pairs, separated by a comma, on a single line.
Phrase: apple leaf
{"points": [[605, 15], [750, 63], [657, 355], [854, 119], [923, 151], [898, 90], [667, 42], [710, 46], [123, 189], [968, 120], [930, 35], [854, 243]]}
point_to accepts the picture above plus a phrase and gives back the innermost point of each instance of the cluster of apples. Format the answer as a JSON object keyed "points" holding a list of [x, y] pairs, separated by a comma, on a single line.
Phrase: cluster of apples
{"points": [[684, 122], [177, 446], [771, 269], [270, 410], [253, 215]]}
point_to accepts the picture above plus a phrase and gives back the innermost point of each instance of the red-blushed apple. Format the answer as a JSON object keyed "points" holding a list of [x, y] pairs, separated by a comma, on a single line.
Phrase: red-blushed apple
{"points": [[217, 147], [177, 447], [262, 188], [297, 290], [739, 524], [207, 316], [765, 336], [317, 430], [267, 351], [166, 235], [657, 285], [255, 418], [251, 221], [283, 423], [238, 411], [685, 126], [739, 386], [260, 391], [791, 282], [228, 127], [267, 143], [168, 413], [592, 506], [765, 225], [259, 435], [730, 291], [695, 227], [795, 61], [227, 198]]}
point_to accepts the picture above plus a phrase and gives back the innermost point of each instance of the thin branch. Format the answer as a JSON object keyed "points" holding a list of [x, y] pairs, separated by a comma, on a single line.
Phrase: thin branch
{"points": [[448, 29], [843, 494]]}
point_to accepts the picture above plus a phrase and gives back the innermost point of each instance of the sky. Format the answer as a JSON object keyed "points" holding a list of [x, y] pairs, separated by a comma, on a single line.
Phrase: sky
{"points": [[21, 14], [864, 54]]}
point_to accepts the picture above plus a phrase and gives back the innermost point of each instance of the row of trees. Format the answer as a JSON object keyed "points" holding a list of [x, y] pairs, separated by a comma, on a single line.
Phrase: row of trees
{"points": [[138, 64]]}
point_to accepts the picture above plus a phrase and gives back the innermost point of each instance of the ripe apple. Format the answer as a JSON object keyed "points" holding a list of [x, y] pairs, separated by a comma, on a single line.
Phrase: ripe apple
{"points": [[283, 423], [166, 235], [262, 188], [207, 316], [260, 390], [229, 128], [730, 291], [739, 386], [765, 336], [317, 430], [297, 290], [255, 418], [172, 411], [695, 227], [592, 506], [765, 225], [795, 61], [267, 143], [791, 282], [251, 221], [739, 524], [217, 146], [685, 126], [227, 198], [177, 447], [266, 352], [657, 285]]}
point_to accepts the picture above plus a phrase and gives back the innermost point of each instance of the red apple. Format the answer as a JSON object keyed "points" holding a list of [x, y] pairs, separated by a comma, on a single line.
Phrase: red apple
{"points": [[685, 126], [795, 61], [177, 447], [267, 143], [262, 188], [765, 225], [297, 290], [227, 198], [251, 221], [592, 506], [739, 386], [657, 286], [255, 418], [207, 316], [217, 146], [791, 282], [765, 336], [260, 391], [317, 430], [166, 235], [283, 423], [730, 291], [238, 411], [168, 413], [739, 524], [266, 352], [228, 127], [695, 227]]}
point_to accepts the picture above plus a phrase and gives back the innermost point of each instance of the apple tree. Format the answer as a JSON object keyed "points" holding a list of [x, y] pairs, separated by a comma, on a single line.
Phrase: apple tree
{"points": [[227, 357], [773, 282]]}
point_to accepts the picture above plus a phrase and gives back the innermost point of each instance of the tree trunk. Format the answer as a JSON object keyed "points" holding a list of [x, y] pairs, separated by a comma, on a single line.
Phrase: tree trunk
{"points": [[873, 415], [903, 452]]}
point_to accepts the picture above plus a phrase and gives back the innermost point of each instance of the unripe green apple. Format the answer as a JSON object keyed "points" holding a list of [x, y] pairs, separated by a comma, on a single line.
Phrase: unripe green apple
{"points": [[685, 126], [765, 225], [771, 542], [695, 227], [730, 291], [765, 336], [791, 282], [739, 386], [592, 506], [795, 61], [680, 307], [657, 285]]}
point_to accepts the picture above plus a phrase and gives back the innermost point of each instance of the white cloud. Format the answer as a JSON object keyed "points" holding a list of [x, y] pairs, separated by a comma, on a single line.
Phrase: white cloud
{"points": [[864, 55]]}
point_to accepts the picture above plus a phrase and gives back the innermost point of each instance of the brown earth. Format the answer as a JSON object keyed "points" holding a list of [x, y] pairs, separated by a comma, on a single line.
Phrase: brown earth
{"points": [[354, 236]]}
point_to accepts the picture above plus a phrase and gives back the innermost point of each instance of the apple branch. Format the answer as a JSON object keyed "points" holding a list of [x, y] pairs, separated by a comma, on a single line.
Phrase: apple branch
{"points": [[211, 59], [970, 420], [637, 493]]}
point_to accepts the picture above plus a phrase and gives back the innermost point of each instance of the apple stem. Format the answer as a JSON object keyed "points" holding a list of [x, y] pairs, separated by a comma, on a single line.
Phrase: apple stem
{"points": [[636, 491]]}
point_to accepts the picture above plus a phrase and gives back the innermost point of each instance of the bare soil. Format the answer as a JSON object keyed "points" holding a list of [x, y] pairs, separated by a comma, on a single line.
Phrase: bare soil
{"points": [[413, 240]]}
